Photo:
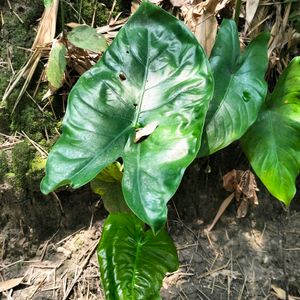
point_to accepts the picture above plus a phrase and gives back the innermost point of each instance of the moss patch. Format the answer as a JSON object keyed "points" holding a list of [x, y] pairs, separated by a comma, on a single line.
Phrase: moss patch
{"points": [[3, 165], [22, 155]]}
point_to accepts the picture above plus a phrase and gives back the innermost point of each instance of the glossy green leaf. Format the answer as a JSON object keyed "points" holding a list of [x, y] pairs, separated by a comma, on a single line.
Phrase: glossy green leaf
{"points": [[155, 72], [133, 261], [87, 38], [272, 144], [240, 88], [108, 185], [56, 64]]}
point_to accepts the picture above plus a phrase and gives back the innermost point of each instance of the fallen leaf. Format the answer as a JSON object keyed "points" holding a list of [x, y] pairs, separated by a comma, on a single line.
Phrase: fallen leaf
{"points": [[243, 184], [145, 131], [281, 294], [201, 19], [10, 284], [73, 24], [177, 3], [251, 8]]}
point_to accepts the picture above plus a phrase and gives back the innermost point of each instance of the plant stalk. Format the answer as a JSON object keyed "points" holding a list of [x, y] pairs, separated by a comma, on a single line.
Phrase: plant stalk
{"points": [[237, 11]]}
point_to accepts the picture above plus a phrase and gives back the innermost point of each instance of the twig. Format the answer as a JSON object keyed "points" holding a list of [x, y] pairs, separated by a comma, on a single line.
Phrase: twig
{"points": [[221, 210], [47, 243], [208, 273], [111, 11], [39, 148], [69, 236], [82, 267], [59, 203]]}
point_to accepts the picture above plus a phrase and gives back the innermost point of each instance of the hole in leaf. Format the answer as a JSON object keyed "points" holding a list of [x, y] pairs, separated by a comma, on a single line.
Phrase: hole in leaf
{"points": [[127, 51], [246, 96], [142, 134], [122, 76]]}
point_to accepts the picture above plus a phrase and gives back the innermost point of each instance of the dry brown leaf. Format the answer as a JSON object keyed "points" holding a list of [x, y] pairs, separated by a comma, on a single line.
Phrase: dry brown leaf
{"points": [[251, 8], [73, 24], [243, 184], [145, 131], [40, 46], [201, 19], [47, 26], [134, 6], [10, 284], [177, 3], [281, 294]]}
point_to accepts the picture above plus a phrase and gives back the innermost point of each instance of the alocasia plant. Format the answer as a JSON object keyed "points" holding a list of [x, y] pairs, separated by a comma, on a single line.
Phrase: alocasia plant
{"points": [[154, 72], [144, 104]]}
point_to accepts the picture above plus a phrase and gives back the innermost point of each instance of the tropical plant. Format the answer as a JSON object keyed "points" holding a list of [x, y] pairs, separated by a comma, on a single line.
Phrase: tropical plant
{"points": [[134, 123]]}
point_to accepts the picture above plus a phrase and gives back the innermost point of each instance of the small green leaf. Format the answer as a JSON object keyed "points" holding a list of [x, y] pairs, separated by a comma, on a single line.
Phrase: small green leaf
{"points": [[47, 3], [133, 261], [86, 37], [272, 144], [240, 88], [154, 72], [56, 65], [108, 184]]}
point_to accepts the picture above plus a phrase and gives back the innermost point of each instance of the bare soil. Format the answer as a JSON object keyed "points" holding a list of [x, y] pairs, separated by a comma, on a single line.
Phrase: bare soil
{"points": [[51, 242]]}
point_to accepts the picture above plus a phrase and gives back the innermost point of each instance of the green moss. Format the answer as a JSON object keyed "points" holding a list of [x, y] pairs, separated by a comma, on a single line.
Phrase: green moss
{"points": [[3, 165], [32, 121], [22, 155], [36, 172], [38, 164], [5, 120]]}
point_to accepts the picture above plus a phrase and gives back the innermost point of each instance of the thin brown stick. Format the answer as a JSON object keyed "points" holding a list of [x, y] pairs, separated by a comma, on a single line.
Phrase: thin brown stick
{"points": [[82, 267]]}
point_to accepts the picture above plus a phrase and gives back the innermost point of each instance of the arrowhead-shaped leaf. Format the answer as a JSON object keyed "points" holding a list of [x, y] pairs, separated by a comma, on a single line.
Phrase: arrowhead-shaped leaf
{"points": [[86, 37], [155, 72], [107, 184], [133, 261], [272, 144], [240, 88]]}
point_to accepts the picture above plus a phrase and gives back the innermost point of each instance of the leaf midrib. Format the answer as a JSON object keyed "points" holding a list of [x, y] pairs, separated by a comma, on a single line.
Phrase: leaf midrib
{"points": [[141, 98], [138, 251]]}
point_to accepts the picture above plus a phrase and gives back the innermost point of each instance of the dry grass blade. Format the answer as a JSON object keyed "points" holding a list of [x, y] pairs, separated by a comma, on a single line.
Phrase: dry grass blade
{"points": [[281, 294], [40, 46], [10, 284]]}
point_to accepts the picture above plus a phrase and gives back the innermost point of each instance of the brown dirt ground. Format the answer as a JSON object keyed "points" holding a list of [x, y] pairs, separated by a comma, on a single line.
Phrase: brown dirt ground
{"points": [[54, 250]]}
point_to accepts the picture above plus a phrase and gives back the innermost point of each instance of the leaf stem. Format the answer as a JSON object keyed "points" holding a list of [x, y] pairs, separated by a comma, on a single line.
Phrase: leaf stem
{"points": [[237, 11]]}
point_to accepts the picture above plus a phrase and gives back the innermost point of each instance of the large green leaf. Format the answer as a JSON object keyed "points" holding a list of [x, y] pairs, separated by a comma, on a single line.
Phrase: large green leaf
{"points": [[133, 261], [86, 37], [240, 88], [272, 144], [155, 72], [107, 184]]}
